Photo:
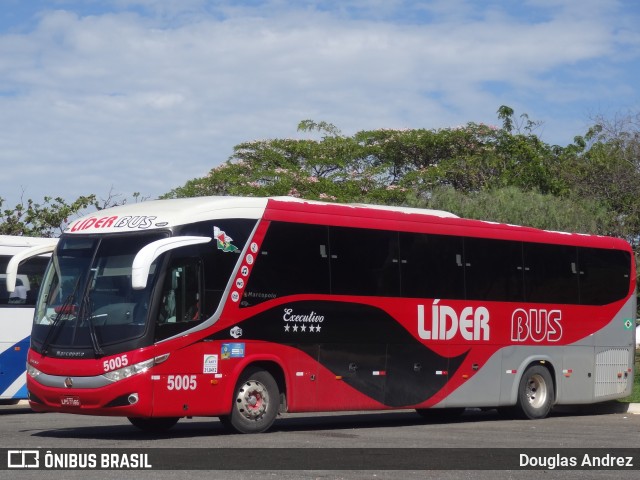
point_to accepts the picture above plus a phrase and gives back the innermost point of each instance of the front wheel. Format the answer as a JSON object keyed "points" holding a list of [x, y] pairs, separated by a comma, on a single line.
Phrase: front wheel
{"points": [[535, 393], [153, 425], [255, 402]]}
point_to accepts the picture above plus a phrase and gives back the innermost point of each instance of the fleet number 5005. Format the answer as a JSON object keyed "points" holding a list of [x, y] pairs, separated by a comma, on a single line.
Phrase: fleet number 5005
{"points": [[181, 382], [115, 363]]}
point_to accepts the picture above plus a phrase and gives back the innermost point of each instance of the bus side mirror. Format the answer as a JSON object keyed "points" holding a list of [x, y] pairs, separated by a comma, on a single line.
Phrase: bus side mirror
{"points": [[145, 257], [12, 266]]}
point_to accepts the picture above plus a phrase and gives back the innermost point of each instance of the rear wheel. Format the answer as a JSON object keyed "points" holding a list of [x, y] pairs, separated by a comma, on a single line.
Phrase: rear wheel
{"points": [[535, 393], [154, 424], [255, 402]]}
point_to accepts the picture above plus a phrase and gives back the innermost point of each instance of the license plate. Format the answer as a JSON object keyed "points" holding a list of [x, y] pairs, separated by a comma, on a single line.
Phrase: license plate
{"points": [[70, 401]]}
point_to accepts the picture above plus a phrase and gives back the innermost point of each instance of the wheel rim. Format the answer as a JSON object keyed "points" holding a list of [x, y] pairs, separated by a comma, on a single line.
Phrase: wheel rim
{"points": [[536, 391], [252, 400]]}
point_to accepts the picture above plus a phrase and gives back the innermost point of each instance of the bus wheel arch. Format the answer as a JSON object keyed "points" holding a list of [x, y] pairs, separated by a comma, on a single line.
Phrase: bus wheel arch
{"points": [[257, 398], [536, 392]]}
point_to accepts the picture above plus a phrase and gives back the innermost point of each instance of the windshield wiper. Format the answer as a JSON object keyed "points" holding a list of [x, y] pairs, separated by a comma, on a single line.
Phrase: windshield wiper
{"points": [[62, 310], [87, 311]]}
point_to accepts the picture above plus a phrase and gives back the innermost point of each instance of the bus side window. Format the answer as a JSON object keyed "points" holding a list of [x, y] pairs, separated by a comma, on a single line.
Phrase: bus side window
{"points": [[550, 273], [605, 275], [167, 312], [432, 266], [364, 262], [293, 260], [493, 270], [181, 293]]}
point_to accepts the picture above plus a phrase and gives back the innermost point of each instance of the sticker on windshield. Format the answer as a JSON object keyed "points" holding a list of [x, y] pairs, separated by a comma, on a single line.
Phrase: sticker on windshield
{"points": [[224, 241]]}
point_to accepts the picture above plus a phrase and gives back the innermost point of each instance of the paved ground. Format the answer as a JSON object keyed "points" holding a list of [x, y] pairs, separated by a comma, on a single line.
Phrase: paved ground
{"points": [[332, 438]]}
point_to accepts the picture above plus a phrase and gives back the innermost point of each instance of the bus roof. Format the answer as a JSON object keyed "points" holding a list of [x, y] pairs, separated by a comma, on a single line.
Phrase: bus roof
{"points": [[12, 244], [388, 208], [181, 211], [157, 214]]}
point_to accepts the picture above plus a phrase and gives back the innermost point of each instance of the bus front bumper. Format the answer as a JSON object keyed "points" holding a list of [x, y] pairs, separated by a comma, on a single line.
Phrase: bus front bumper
{"points": [[130, 397]]}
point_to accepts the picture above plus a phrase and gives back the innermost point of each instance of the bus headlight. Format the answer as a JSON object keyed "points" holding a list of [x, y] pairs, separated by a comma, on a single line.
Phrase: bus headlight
{"points": [[126, 372], [33, 371]]}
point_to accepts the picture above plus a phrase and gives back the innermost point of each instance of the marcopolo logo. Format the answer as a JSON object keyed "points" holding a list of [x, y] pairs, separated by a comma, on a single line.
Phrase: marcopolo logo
{"points": [[471, 323]]}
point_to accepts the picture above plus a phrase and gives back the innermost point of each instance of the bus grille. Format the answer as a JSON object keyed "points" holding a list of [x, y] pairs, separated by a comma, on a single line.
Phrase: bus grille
{"points": [[612, 367]]}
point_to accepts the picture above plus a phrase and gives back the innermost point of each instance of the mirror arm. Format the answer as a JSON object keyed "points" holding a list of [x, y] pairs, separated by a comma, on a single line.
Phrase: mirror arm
{"points": [[145, 257], [14, 263]]}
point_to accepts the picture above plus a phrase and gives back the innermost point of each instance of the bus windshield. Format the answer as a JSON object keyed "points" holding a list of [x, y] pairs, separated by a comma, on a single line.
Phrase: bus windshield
{"points": [[87, 304]]}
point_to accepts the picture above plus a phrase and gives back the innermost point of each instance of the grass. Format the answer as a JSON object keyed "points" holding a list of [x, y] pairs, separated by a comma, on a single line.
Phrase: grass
{"points": [[635, 394]]}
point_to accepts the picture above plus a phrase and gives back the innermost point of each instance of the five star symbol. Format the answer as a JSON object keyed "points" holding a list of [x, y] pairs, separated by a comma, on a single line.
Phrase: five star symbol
{"points": [[303, 328]]}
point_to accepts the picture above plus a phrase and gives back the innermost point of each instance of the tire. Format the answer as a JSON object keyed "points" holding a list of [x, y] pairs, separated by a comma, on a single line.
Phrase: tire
{"points": [[256, 401], [154, 425], [535, 393]]}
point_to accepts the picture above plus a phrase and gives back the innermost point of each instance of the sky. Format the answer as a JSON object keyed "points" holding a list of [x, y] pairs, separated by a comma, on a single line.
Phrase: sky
{"points": [[112, 97]]}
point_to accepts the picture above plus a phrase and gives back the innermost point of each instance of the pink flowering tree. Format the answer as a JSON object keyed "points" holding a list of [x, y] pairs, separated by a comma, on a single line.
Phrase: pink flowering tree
{"points": [[385, 166]]}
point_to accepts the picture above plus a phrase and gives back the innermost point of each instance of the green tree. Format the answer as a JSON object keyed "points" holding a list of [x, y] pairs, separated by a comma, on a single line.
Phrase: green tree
{"points": [[336, 168], [530, 208], [385, 165], [502, 173], [50, 218], [46, 219], [605, 166]]}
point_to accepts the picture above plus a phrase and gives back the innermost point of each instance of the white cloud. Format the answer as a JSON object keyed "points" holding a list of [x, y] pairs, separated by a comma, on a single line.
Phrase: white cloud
{"points": [[145, 102]]}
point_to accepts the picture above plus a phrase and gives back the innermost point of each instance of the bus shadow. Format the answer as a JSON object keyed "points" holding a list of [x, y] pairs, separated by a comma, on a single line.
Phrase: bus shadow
{"points": [[347, 421], [329, 424], [203, 427], [13, 408]]}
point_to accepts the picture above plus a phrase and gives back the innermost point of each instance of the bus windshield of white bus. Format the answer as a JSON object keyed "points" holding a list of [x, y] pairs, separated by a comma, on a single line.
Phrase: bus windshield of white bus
{"points": [[27, 285]]}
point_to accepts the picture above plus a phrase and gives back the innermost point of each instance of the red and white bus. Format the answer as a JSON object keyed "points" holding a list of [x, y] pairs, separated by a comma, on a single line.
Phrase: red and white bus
{"points": [[245, 307]]}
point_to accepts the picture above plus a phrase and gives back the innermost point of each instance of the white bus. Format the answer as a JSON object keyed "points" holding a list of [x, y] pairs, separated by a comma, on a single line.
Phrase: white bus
{"points": [[16, 312]]}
